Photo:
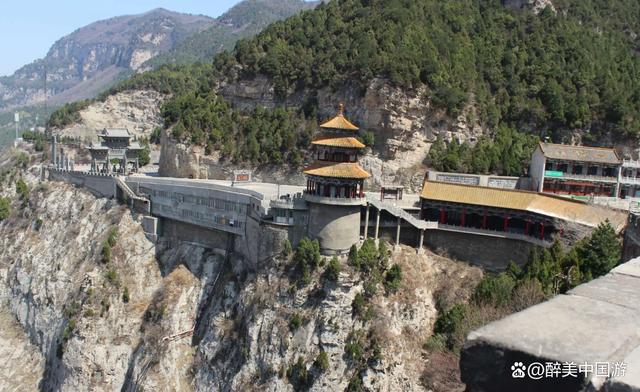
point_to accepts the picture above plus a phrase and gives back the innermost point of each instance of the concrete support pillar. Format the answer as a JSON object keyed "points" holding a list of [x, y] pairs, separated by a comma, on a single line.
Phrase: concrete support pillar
{"points": [[366, 222], [398, 232], [421, 241], [377, 224]]}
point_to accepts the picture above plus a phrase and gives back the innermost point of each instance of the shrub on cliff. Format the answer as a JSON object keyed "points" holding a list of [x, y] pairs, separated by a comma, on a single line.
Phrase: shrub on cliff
{"points": [[145, 154], [601, 252], [495, 290], [322, 362], [333, 269], [298, 375], [5, 208], [307, 258], [392, 278], [23, 191]]}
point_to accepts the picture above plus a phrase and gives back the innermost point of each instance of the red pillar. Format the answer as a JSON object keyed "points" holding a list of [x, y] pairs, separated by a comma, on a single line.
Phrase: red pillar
{"points": [[506, 223], [541, 230], [462, 218], [484, 221], [526, 228], [443, 216]]}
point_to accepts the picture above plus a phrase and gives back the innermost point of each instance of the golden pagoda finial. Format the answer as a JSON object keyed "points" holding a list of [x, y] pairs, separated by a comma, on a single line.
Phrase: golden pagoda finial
{"points": [[340, 109]]}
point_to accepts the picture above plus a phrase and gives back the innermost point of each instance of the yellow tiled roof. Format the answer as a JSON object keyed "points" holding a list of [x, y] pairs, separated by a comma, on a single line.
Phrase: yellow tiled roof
{"points": [[339, 122], [347, 142], [337, 170], [553, 206]]}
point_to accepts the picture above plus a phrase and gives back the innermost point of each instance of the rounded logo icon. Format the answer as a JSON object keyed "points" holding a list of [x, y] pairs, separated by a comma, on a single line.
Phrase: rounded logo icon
{"points": [[535, 371]]}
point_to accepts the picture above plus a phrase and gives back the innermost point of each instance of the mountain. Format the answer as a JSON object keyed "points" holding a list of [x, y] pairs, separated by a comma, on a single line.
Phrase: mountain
{"points": [[241, 21], [479, 73], [93, 57]]}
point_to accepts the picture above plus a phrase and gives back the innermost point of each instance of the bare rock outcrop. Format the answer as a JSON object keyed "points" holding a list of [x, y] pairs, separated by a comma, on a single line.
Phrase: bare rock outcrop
{"points": [[136, 110]]}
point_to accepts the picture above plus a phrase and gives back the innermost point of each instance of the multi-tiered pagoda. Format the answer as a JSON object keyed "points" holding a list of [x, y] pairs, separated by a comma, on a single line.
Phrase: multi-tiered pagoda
{"points": [[335, 186], [336, 172]]}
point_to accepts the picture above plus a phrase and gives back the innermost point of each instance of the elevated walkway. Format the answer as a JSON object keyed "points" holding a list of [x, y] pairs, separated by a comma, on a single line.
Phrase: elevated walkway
{"points": [[402, 214]]}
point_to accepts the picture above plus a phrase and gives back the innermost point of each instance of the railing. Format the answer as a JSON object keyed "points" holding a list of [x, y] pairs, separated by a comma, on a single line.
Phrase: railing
{"points": [[630, 180], [630, 163], [338, 201], [400, 213], [587, 177], [290, 203], [496, 233]]}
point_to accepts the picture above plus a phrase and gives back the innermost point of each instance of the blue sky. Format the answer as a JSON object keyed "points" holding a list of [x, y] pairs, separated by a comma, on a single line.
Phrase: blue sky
{"points": [[29, 27]]}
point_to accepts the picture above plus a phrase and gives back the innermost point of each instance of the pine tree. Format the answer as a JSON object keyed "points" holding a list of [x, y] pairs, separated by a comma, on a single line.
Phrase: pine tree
{"points": [[601, 252]]}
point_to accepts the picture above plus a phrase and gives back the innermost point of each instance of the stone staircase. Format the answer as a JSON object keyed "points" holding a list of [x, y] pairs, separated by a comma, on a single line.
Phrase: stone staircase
{"points": [[402, 214]]}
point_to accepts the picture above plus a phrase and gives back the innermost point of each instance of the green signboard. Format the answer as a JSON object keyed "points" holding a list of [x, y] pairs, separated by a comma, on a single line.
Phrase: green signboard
{"points": [[552, 173]]}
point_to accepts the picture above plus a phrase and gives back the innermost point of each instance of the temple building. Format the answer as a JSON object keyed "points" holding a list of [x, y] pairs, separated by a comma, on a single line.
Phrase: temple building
{"points": [[534, 217], [575, 170], [335, 185], [116, 146]]}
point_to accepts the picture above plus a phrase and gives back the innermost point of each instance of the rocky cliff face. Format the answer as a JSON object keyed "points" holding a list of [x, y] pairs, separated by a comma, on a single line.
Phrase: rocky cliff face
{"points": [[403, 121], [138, 111], [124, 321], [88, 60]]}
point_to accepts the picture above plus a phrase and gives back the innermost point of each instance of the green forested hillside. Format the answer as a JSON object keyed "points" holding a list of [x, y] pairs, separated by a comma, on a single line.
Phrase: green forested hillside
{"points": [[577, 69], [241, 21], [572, 69]]}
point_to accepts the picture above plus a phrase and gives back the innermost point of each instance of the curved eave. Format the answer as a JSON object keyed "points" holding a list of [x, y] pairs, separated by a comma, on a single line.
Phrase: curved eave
{"points": [[345, 170], [339, 122], [344, 142]]}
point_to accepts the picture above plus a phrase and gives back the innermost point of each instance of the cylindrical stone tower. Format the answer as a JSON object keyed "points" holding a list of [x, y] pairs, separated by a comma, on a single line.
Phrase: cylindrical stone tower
{"points": [[335, 186]]}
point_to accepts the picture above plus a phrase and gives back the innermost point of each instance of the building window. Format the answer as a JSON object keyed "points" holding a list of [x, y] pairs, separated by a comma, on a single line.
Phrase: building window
{"points": [[577, 169], [562, 167], [593, 170], [608, 172]]}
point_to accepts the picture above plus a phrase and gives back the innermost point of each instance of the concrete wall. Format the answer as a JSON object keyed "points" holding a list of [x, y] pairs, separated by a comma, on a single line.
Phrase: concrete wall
{"points": [[336, 227], [491, 253], [594, 323], [98, 185], [296, 231], [214, 207], [536, 169], [180, 231]]}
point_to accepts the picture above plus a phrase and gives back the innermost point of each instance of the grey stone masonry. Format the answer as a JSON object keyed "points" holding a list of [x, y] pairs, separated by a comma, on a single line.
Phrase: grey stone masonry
{"points": [[597, 324]]}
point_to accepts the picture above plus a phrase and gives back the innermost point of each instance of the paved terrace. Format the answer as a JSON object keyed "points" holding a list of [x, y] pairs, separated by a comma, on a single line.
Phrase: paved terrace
{"points": [[595, 324], [263, 193]]}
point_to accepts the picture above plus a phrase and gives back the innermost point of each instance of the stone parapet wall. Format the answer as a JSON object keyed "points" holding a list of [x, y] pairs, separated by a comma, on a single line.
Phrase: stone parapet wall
{"points": [[595, 323], [99, 185]]}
